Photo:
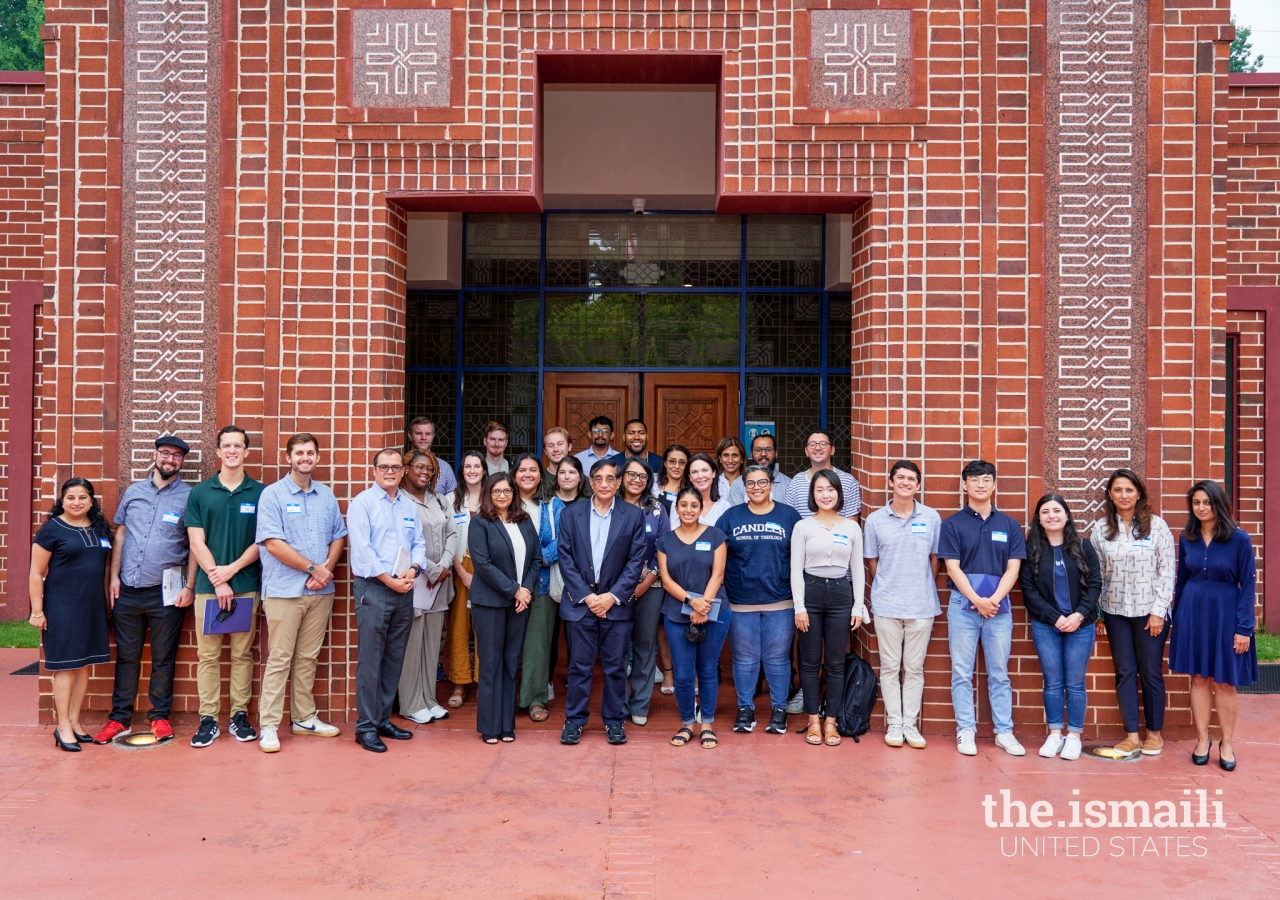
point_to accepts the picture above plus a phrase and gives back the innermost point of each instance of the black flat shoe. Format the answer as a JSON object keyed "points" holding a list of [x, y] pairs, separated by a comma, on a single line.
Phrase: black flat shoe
{"points": [[1227, 765], [395, 732], [82, 738], [370, 741], [489, 738], [70, 748], [1201, 760], [508, 737]]}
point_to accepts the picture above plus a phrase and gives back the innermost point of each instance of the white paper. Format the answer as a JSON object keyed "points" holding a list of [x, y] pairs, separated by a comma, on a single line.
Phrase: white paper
{"points": [[424, 597], [171, 585], [402, 564]]}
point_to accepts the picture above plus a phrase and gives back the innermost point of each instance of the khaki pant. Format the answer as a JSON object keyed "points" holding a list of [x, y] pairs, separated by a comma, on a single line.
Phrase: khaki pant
{"points": [[462, 666], [421, 662], [903, 644], [296, 627], [209, 662]]}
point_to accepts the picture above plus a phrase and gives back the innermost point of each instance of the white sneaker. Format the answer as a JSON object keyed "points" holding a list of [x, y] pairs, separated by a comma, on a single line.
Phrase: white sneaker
{"points": [[657, 675], [965, 744], [314, 726], [551, 691], [893, 737], [796, 706], [1071, 748], [1010, 745], [913, 737], [1052, 746], [439, 712], [422, 716], [270, 741]]}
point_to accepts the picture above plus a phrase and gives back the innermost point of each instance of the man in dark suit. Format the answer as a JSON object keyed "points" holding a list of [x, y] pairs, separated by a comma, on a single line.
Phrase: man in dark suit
{"points": [[601, 561]]}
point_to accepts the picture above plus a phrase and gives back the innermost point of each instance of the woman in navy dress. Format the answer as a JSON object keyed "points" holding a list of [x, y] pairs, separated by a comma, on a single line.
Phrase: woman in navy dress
{"points": [[68, 585], [1213, 619]]}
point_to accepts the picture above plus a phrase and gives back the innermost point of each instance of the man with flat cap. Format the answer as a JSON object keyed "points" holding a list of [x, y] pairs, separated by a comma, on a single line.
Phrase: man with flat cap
{"points": [[150, 546]]}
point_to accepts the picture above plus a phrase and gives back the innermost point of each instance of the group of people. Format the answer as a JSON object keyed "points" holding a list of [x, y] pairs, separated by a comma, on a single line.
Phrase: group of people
{"points": [[648, 563]]}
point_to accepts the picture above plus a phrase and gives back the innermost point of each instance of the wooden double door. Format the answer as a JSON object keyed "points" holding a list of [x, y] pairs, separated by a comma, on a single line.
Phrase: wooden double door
{"points": [[695, 409]]}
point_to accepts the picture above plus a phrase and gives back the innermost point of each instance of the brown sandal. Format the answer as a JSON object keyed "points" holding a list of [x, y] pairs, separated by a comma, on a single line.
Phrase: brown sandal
{"points": [[813, 734], [832, 734], [457, 697], [538, 712]]}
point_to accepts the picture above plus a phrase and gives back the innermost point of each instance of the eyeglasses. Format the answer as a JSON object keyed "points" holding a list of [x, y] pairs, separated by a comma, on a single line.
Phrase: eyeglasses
{"points": [[388, 470], [603, 479], [601, 430], [501, 492], [636, 476], [757, 483], [176, 455], [818, 445]]}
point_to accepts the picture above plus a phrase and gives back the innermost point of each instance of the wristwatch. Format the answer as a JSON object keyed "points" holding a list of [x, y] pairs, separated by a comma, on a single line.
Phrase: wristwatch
{"points": [[311, 568]]}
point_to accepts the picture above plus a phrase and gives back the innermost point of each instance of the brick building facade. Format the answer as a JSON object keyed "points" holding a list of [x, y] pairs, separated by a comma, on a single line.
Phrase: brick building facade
{"points": [[1050, 225]]}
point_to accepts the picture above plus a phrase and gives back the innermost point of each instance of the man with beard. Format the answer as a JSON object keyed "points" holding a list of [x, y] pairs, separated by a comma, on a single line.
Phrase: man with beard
{"points": [[151, 536]]}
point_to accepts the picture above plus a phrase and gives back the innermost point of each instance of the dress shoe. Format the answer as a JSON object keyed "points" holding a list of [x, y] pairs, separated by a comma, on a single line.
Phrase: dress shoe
{"points": [[74, 747], [1201, 759], [1228, 765], [369, 740], [615, 733], [395, 732], [571, 734]]}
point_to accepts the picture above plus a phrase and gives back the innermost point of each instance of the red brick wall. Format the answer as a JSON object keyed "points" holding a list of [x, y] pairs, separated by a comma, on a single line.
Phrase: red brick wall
{"points": [[22, 116], [1249, 329], [1253, 173]]}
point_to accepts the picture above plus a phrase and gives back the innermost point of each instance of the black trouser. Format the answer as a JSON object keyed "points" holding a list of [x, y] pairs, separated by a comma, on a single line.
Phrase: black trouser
{"points": [[1138, 658], [499, 639], [383, 620], [829, 603], [136, 612]]}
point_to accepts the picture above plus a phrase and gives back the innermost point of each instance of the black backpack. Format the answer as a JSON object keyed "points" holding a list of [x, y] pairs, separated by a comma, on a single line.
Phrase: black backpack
{"points": [[860, 689]]}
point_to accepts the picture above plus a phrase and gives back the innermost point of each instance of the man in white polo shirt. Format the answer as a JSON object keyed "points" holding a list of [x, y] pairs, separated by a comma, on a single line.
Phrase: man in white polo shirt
{"points": [[900, 543]]}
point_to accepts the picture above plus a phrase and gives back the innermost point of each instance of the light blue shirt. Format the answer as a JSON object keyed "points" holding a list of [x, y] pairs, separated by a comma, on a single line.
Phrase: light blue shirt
{"points": [[379, 527], [599, 534], [446, 481], [308, 521]]}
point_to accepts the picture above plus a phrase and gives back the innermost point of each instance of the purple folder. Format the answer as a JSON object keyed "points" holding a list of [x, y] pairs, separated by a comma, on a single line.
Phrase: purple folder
{"points": [[236, 623], [986, 585]]}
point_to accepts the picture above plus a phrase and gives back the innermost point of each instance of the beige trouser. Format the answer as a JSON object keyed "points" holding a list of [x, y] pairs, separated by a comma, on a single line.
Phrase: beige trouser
{"points": [[421, 661], [209, 662], [903, 644], [296, 627]]}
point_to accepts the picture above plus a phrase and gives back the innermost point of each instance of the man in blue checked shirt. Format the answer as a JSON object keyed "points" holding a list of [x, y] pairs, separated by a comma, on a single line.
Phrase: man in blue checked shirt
{"points": [[383, 521], [300, 535]]}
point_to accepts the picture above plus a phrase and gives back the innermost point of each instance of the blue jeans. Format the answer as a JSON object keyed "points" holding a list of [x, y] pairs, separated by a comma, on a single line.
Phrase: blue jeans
{"points": [[965, 629], [1063, 660], [697, 662], [762, 638]]}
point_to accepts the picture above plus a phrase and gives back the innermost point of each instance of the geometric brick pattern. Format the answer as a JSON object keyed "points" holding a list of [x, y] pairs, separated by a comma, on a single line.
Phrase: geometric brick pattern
{"points": [[1095, 222], [861, 59], [400, 57]]}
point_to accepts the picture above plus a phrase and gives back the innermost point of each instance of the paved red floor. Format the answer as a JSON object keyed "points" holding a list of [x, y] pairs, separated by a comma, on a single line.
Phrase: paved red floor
{"points": [[446, 816]]}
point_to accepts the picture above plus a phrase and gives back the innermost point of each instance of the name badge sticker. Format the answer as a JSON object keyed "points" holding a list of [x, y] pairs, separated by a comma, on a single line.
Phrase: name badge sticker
{"points": [[841, 539], [104, 543], [408, 522], [1142, 542], [248, 509], [704, 546], [671, 497], [460, 517], [293, 509], [920, 528], [648, 529], [1000, 537], [171, 518]]}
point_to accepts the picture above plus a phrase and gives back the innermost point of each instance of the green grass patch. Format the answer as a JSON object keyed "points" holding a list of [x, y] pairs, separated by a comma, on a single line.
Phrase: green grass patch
{"points": [[21, 633], [1268, 646]]}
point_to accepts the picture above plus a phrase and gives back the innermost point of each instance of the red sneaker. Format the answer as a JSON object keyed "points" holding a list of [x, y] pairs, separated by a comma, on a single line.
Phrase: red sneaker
{"points": [[110, 732], [162, 730]]}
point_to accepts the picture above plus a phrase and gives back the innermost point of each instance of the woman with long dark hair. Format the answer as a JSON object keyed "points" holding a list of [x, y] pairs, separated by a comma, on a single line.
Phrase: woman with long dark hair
{"points": [[673, 475], [1136, 552], [637, 489], [1213, 616], [535, 665], [68, 588], [1060, 586], [466, 505], [503, 541]]}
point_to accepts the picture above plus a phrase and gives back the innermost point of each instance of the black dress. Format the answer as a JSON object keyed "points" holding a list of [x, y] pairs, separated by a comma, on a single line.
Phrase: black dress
{"points": [[75, 601]]}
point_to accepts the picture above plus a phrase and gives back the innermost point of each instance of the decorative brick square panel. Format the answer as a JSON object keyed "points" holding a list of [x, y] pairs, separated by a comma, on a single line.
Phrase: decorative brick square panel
{"points": [[860, 59], [400, 57]]}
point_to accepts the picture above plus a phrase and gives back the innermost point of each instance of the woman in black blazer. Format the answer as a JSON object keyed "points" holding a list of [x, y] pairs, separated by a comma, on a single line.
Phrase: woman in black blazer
{"points": [[1060, 586], [504, 548]]}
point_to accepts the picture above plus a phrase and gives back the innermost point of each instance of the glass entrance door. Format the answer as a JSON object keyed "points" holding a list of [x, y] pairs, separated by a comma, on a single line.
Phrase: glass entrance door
{"points": [[564, 312]]}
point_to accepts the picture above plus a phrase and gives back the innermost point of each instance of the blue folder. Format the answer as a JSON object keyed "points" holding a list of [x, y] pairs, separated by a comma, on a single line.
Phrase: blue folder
{"points": [[985, 586], [236, 623], [712, 616]]}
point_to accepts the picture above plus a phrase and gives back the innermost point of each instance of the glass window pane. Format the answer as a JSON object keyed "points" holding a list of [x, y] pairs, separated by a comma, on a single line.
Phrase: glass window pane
{"points": [[839, 417], [501, 330], [432, 394], [784, 251], [784, 330], [793, 403], [839, 331], [431, 329], [507, 397], [593, 329], [503, 249], [690, 329], [619, 250]]}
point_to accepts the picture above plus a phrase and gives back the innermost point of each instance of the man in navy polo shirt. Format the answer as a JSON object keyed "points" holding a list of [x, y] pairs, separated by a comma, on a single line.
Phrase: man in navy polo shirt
{"points": [[983, 550]]}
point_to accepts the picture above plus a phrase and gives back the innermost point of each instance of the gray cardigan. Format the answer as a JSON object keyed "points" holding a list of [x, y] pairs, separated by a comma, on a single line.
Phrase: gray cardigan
{"points": [[440, 534]]}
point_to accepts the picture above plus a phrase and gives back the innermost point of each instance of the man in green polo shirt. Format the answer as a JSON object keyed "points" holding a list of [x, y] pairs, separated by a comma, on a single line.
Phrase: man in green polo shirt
{"points": [[222, 522]]}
